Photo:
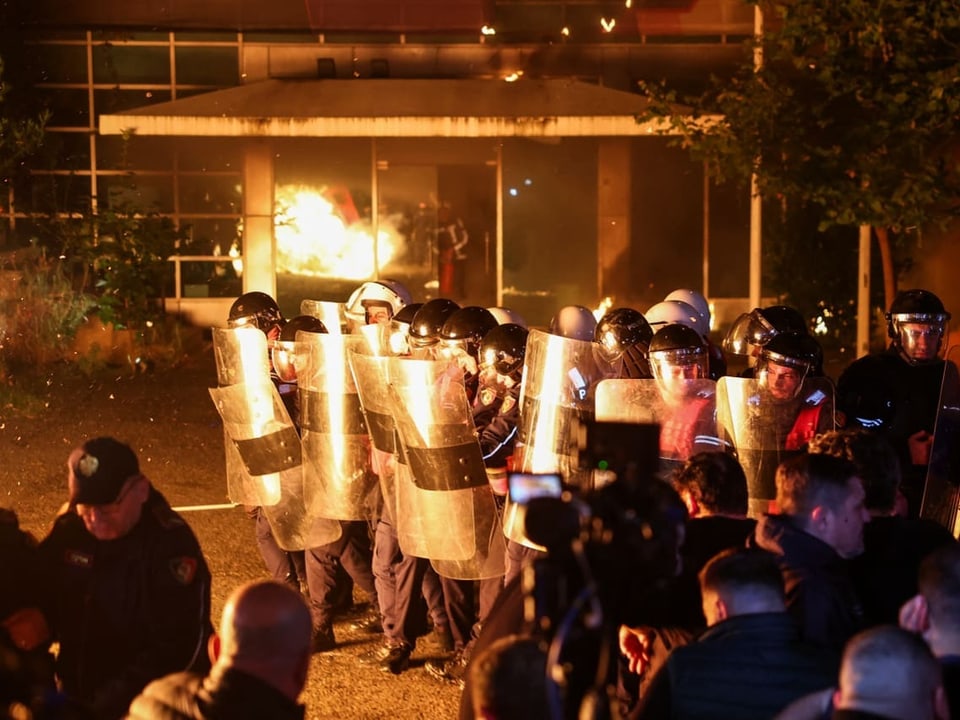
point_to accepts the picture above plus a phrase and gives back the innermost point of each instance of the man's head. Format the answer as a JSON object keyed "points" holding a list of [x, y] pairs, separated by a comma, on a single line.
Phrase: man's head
{"points": [[256, 309], [917, 325], [508, 680], [106, 487], [824, 496], [741, 581], [877, 463], [892, 673], [939, 586], [712, 483], [265, 632]]}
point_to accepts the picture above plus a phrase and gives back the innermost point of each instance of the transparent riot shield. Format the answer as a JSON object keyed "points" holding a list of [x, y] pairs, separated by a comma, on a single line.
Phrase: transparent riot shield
{"points": [[941, 493], [338, 481], [445, 507], [370, 379], [559, 381], [263, 454], [330, 314], [764, 431], [557, 395], [684, 409], [263, 437], [242, 356]]}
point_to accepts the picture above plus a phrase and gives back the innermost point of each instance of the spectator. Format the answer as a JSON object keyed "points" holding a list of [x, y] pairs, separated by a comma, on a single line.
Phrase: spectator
{"points": [[128, 590], [935, 612], [750, 663], [889, 673], [885, 575], [260, 662], [508, 680], [819, 527]]}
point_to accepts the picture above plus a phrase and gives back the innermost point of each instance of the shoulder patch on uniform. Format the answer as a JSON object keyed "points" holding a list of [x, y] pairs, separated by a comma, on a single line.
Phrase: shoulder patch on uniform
{"points": [[184, 569], [508, 403], [78, 558], [167, 517]]}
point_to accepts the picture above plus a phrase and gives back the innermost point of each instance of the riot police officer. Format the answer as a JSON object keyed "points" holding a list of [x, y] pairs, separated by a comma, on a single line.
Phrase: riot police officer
{"points": [[624, 335], [897, 391], [752, 330]]}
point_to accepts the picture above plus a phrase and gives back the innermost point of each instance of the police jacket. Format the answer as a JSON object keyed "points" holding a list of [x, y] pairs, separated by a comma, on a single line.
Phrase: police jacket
{"points": [[223, 695], [745, 667], [820, 593], [125, 611]]}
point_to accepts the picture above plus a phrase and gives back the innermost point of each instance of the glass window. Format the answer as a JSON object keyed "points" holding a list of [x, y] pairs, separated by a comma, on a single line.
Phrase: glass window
{"points": [[549, 225], [131, 64], [68, 108], [207, 66], [183, 37], [217, 154], [134, 153], [71, 150], [61, 63], [130, 36], [136, 193], [113, 101], [210, 194], [210, 236]]}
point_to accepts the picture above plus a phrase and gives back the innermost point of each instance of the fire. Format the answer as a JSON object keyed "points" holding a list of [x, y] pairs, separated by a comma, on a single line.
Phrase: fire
{"points": [[316, 237]]}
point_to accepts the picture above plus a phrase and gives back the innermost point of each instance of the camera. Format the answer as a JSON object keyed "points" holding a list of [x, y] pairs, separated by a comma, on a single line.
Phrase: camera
{"points": [[607, 543]]}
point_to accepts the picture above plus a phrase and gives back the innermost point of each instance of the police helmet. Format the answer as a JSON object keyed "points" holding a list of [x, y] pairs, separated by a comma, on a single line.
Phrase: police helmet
{"points": [[466, 327], [676, 346], [621, 329], [752, 330], [506, 315], [675, 311], [575, 322], [696, 300], [504, 348], [385, 293], [910, 310], [428, 321], [255, 309]]}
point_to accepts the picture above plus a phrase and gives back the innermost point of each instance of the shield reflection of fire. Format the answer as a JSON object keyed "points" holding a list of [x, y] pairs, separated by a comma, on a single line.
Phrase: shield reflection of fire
{"points": [[316, 237]]}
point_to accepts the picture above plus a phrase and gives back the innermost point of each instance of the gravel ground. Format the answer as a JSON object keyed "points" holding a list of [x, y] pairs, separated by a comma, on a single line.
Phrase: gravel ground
{"points": [[167, 416]]}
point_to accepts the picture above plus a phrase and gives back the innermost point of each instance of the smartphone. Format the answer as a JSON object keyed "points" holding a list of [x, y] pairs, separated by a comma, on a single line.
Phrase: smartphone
{"points": [[524, 486]]}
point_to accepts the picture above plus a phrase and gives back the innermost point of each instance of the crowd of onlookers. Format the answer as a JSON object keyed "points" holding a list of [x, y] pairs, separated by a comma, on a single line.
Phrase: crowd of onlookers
{"points": [[839, 599]]}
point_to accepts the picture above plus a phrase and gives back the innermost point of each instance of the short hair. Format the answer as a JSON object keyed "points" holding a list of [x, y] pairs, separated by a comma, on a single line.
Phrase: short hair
{"points": [[886, 668], [939, 584], [716, 480], [509, 680], [265, 621], [739, 572], [806, 481], [875, 458]]}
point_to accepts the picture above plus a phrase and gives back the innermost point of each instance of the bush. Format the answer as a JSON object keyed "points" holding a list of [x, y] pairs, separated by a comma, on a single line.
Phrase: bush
{"points": [[40, 312]]}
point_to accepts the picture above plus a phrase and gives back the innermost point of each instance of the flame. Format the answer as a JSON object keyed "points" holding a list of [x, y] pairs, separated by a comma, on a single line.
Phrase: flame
{"points": [[314, 237], [602, 308]]}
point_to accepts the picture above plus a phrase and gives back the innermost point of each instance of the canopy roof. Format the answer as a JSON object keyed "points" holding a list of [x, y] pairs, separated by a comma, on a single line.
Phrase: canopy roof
{"points": [[395, 108]]}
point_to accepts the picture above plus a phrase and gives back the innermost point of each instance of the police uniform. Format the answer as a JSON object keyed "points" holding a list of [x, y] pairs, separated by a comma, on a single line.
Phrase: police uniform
{"points": [[884, 393], [125, 611]]}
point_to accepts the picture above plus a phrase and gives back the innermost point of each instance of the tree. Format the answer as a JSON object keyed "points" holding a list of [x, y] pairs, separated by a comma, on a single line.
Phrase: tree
{"points": [[851, 114]]}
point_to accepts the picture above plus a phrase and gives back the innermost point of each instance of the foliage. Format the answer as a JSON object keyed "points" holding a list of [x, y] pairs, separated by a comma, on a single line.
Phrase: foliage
{"points": [[851, 114], [123, 260], [40, 313]]}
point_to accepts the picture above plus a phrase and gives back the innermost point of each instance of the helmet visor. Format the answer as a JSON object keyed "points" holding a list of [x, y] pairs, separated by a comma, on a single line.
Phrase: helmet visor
{"points": [[748, 334], [920, 336], [284, 364], [782, 377], [680, 364]]}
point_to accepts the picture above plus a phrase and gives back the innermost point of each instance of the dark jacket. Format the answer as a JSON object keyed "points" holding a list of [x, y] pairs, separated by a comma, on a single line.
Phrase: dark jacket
{"points": [[883, 391], [227, 695], [125, 611], [746, 667], [820, 593]]}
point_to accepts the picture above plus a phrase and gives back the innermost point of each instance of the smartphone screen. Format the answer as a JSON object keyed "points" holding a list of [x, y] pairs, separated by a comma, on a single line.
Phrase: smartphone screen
{"points": [[524, 486]]}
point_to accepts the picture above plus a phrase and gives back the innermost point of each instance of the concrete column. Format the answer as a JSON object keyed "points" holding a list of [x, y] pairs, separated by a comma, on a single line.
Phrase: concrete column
{"points": [[613, 214], [259, 244]]}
